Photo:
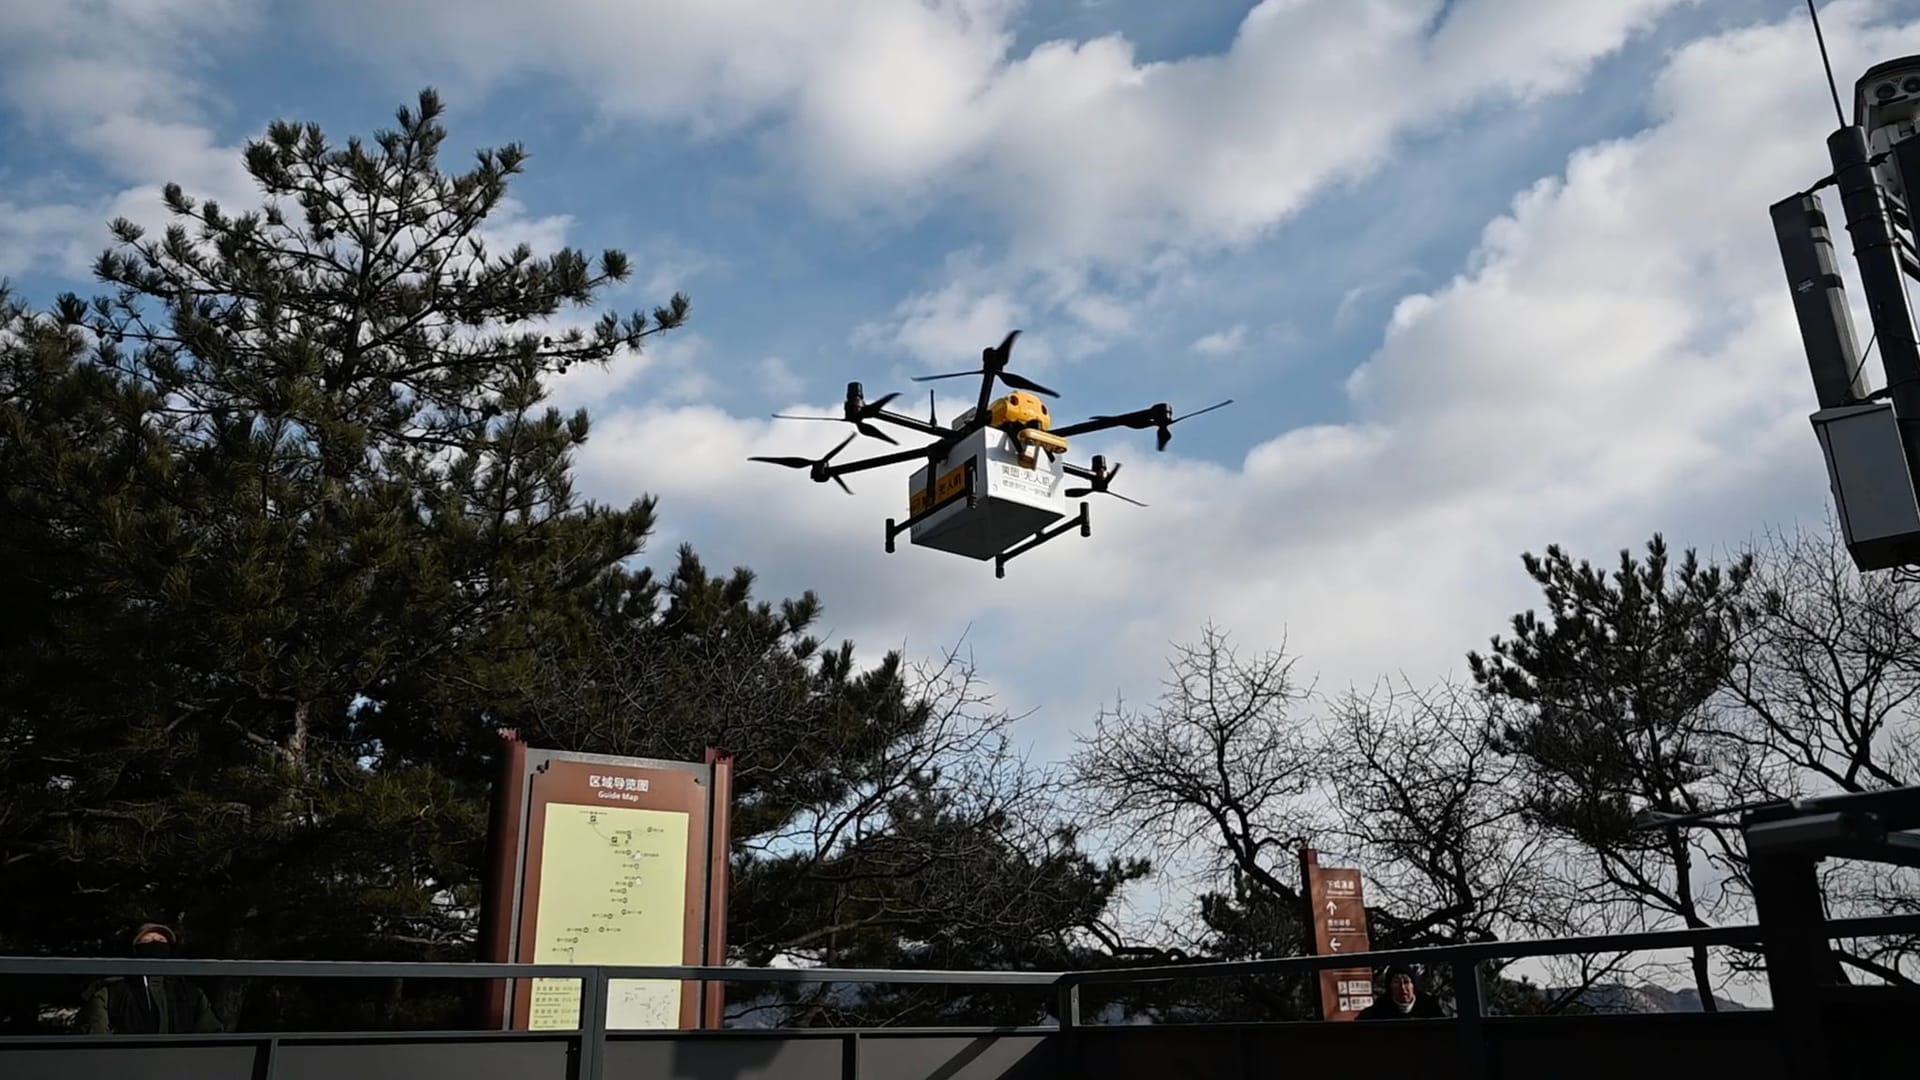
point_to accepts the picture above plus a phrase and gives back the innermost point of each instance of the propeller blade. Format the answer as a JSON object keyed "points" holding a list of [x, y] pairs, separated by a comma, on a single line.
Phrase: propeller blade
{"points": [[837, 449], [1079, 492], [789, 416], [948, 375], [932, 417], [1021, 382], [873, 408], [843, 484], [789, 462], [872, 432], [1163, 437], [1113, 472], [1208, 409]]}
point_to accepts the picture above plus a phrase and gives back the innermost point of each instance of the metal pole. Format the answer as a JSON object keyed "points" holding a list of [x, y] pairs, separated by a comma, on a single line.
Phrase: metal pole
{"points": [[1786, 897], [593, 1025], [1878, 258], [1819, 301], [1068, 1006], [850, 1056], [1469, 1008]]}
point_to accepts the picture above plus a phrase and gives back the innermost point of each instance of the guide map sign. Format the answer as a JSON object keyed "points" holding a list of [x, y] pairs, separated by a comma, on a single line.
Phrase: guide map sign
{"points": [[1337, 910], [607, 860]]}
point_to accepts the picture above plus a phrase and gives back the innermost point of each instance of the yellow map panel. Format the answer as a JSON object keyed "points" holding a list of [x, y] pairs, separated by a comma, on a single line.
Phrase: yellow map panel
{"points": [[613, 890]]}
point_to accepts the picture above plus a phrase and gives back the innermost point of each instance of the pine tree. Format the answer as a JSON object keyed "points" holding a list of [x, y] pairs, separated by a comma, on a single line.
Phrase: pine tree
{"points": [[298, 460], [1610, 700], [290, 532]]}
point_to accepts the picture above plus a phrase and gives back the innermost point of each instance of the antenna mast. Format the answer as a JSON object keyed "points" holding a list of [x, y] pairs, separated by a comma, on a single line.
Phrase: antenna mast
{"points": [[1839, 114]]}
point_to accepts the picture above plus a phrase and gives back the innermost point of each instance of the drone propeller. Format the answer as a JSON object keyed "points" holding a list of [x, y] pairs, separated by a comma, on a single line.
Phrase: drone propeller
{"points": [[1160, 417], [993, 364], [1018, 382], [1165, 436], [857, 417], [1102, 476], [819, 465]]}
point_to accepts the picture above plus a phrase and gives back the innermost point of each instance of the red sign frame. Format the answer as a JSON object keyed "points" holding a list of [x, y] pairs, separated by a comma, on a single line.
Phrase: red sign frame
{"points": [[1337, 911], [530, 780]]}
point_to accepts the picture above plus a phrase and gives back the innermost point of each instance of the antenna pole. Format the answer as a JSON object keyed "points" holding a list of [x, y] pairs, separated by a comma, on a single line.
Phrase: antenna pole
{"points": [[1877, 257], [1832, 87]]}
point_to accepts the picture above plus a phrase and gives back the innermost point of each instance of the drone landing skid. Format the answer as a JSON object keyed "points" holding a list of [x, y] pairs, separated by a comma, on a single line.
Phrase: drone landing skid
{"points": [[1082, 521], [970, 498]]}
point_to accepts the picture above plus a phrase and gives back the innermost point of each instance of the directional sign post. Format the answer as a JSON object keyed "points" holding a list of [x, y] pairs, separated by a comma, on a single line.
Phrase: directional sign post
{"points": [[1337, 906]]}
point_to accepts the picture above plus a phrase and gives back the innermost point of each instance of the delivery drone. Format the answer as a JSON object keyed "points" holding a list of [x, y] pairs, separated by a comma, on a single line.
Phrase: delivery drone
{"points": [[993, 483]]}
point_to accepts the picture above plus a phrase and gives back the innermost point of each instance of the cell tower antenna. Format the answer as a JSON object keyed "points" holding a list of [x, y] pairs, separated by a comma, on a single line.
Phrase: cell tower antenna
{"points": [[1832, 87]]}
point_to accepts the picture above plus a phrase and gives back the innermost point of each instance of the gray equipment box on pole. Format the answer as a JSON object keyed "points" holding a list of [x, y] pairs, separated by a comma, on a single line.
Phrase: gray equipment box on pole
{"points": [[1872, 486]]}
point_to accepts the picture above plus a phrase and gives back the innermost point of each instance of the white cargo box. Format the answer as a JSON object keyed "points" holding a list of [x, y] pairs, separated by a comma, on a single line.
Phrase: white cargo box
{"points": [[1012, 501]]}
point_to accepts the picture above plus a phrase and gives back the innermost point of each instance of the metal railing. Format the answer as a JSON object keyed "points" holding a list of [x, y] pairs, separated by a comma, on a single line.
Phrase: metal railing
{"points": [[589, 1040]]}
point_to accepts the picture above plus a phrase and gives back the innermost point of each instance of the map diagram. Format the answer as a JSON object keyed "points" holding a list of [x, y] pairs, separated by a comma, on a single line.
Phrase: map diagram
{"points": [[613, 890]]}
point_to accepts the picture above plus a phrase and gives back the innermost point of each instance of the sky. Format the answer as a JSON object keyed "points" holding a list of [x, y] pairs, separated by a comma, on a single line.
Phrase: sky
{"points": [[1479, 275]]}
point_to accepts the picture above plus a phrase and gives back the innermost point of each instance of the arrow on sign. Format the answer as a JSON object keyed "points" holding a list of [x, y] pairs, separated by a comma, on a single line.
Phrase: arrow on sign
{"points": [[1336, 944], [1329, 907]]}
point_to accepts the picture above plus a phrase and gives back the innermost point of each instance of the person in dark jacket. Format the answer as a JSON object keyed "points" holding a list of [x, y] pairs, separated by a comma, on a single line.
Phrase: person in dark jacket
{"points": [[1401, 1000], [147, 1004]]}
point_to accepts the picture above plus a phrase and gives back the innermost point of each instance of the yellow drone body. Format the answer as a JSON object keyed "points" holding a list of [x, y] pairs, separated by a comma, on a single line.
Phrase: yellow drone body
{"points": [[1019, 410]]}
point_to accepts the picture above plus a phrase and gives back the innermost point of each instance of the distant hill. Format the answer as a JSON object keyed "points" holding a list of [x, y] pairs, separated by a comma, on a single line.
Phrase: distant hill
{"points": [[1619, 998]]}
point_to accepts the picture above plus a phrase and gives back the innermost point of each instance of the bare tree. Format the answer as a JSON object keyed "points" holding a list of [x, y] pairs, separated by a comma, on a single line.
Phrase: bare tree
{"points": [[1432, 810], [1222, 769], [1823, 698], [1223, 762]]}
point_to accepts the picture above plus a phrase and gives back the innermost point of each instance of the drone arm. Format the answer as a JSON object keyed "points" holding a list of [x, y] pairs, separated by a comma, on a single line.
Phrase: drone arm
{"points": [[1080, 472], [1139, 418], [911, 423], [920, 453]]}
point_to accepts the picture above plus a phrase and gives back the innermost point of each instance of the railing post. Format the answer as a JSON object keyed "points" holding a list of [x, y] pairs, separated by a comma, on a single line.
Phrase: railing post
{"points": [[1793, 938], [593, 1025], [850, 1056], [1069, 1009], [1470, 1008], [1068, 1006]]}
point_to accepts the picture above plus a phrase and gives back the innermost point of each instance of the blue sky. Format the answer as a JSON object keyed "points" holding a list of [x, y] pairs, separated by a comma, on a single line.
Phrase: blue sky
{"points": [[1480, 275]]}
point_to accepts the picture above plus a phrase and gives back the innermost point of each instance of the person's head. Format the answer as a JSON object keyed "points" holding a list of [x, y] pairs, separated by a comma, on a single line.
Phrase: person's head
{"points": [[153, 941], [1401, 988]]}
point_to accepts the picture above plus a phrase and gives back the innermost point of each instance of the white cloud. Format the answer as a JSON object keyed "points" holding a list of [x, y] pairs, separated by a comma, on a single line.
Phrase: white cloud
{"points": [[49, 234], [510, 225], [670, 267], [1222, 342], [1087, 157], [1084, 151], [1618, 357], [117, 81], [667, 368], [947, 327], [777, 378]]}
